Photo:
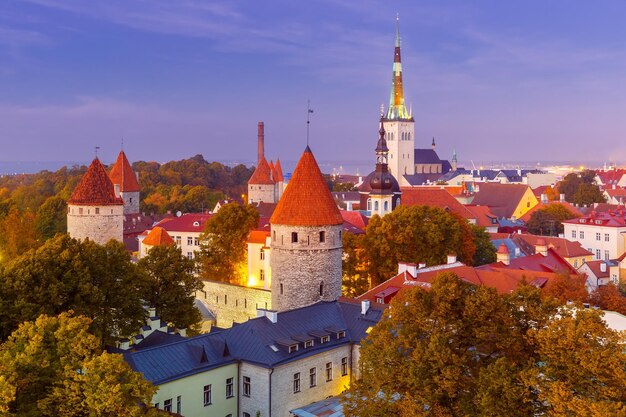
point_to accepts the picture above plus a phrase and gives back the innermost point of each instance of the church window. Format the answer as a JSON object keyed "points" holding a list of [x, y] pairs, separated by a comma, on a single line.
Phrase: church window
{"points": [[369, 204], [375, 205], [322, 237], [321, 289], [294, 237]]}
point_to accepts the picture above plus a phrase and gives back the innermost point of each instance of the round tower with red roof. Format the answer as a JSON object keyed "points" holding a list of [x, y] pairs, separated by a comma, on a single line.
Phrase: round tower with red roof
{"points": [[305, 240], [95, 211], [123, 177]]}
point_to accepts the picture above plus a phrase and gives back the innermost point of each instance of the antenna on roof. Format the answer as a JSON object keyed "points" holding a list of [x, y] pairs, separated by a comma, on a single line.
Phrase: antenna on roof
{"points": [[95, 150], [308, 121]]}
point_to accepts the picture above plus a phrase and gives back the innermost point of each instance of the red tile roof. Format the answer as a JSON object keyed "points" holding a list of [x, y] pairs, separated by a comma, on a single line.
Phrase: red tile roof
{"points": [[258, 236], [563, 247], [501, 198], [552, 262], [189, 222], [615, 193], [262, 174], [483, 215], [355, 218], [595, 267], [434, 197], [612, 176], [606, 219], [158, 237], [122, 174], [95, 188], [279, 171], [307, 200]]}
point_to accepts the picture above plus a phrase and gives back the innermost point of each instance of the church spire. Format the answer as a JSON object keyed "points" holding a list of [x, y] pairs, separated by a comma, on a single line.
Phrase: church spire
{"points": [[397, 109]]}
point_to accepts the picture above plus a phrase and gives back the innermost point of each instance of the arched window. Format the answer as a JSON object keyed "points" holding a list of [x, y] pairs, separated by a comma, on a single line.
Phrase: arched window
{"points": [[408, 137], [375, 205], [369, 204], [386, 206]]}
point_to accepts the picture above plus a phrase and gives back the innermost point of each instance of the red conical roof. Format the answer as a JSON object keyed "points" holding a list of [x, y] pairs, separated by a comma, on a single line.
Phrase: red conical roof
{"points": [[158, 236], [95, 188], [503, 249], [262, 174], [307, 200], [279, 171], [122, 174]]}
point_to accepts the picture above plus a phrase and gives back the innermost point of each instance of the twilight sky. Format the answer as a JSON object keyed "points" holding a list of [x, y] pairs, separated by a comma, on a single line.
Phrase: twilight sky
{"points": [[497, 80]]}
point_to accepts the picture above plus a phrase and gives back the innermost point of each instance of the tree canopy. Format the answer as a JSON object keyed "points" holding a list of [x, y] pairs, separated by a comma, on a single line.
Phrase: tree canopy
{"points": [[459, 349], [548, 220], [581, 188], [223, 249], [53, 366]]}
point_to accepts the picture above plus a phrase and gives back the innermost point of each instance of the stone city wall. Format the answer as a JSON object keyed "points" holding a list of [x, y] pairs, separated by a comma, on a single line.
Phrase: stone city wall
{"points": [[233, 303]]}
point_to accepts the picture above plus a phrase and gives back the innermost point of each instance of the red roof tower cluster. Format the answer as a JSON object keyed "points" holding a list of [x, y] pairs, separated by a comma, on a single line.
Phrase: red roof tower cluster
{"points": [[95, 188]]}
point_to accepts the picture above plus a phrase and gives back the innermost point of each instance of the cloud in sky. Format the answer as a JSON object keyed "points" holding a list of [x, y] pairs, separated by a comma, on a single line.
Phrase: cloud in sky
{"points": [[496, 82]]}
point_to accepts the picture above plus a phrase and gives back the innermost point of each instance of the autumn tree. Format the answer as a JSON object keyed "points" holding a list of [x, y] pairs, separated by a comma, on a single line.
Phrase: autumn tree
{"points": [[223, 246], [99, 282], [548, 220], [463, 350], [53, 366], [581, 188], [608, 297], [17, 234], [170, 286], [565, 287], [354, 269]]}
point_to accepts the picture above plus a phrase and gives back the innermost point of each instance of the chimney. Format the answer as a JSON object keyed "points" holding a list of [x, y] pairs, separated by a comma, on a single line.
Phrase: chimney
{"points": [[544, 198], [401, 267], [123, 344], [365, 306], [541, 247], [451, 258], [261, 142], [562, 198], [272, 315], [603, 267], [502, 255], [411, 269], [116, 187], [421, 265]]}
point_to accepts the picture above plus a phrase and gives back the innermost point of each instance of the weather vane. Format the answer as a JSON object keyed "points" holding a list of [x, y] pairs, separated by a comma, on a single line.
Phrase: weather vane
{"points": [[308, 120], [96, 149]]}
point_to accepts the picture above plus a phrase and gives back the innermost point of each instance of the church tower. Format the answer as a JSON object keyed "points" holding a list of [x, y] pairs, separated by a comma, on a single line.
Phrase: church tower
{"points": [[380, 191], [122, 176], [399, 124], [305, 240], [95, 209]]}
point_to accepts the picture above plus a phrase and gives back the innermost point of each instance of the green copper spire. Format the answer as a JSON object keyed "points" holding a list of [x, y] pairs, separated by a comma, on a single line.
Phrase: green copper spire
{"points": [[397, 110]]}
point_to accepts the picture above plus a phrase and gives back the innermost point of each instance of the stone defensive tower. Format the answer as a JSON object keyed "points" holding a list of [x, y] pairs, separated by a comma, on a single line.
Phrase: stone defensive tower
{"points": [[305, 240], [95, 211], [266, 183], [122, 176]]}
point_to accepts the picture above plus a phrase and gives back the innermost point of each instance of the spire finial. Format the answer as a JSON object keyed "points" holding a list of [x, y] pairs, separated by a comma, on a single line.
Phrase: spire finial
{"points": [[122, 145], [308, 121], [397, 29], [95, 150]]}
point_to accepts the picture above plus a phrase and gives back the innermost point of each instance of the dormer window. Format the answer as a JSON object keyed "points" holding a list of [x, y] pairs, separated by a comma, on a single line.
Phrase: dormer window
{"points": [[325, 339], [583, 221], [341, 334], [293, 348], [308, 344], [196, 224]]}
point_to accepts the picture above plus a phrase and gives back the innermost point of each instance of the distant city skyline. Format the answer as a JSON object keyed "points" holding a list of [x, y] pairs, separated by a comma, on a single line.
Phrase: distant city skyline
{"points": [[496, 81]]}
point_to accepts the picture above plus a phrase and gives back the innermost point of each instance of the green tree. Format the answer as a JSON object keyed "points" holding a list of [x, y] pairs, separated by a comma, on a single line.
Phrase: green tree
{"points": [[55, 367], [548, 221], [415, 234], [573, 182], [170, 286], [51, 217], [64, 274], [355, 278], [485, 251], [223, 249], [588, 194]]}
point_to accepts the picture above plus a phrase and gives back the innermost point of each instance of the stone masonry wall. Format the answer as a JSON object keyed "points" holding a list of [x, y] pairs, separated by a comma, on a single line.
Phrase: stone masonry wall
{"points": [[131, 202], [261, 192], [233, 303], [302, 266], [101, 227]]}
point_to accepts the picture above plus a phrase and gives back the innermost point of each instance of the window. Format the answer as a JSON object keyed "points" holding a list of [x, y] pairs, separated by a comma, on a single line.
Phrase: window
{"points": [[329, 371], [167, 405], [369, 204], [262, 257], [321, 289], [582, 234], [179, 404], [312, 377], [296, 382], [246, 414], [322, 237], [97, 210], [80, 210], [274, 235], [156, 405], [262, 274], [308, 344], [293, 348], [282, 289], [375, 205], [207, 395], [246, 386], [574, 234], [294, 237], [229, 387], [597, 253], [189, 240], [195, 241], [597, 236], [344, 366], [325, 339], [341, 334], [177, 238], [189, 255], [607, 238], [606, 255], [575, 263], [225, 298]]}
